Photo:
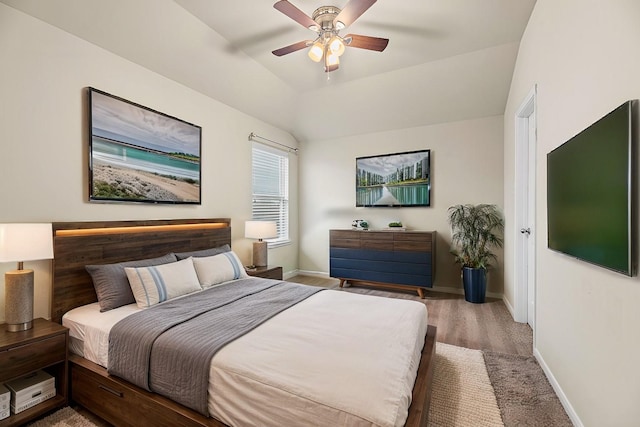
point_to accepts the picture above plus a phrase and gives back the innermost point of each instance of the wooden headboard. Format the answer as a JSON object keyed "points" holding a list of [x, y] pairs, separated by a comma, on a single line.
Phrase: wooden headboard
{"points": [[76, 244]]}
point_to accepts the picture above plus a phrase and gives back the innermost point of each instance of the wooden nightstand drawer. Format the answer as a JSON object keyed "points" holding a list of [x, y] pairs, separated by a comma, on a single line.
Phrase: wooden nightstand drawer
{"points": [[22, 359], [266, 272]]}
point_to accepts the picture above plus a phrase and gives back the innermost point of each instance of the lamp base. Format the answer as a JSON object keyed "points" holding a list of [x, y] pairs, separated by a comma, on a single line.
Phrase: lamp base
{"points": [[20, 327], [260, 254], [18, 300]]}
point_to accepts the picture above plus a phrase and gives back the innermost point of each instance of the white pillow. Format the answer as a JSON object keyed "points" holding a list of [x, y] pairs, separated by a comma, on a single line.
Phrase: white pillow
{"points": [[159, 283], [213, 270]]}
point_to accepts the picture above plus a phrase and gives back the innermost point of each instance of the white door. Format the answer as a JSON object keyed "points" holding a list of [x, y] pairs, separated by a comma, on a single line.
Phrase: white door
{"points": [[524, 295]]}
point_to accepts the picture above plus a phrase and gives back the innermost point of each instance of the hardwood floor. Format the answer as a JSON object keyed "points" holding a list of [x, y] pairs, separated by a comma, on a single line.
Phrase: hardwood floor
{"points": [[487, 326]]}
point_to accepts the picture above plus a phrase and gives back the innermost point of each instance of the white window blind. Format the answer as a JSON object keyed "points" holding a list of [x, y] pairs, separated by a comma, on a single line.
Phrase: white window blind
{"points": [[270, 182]]}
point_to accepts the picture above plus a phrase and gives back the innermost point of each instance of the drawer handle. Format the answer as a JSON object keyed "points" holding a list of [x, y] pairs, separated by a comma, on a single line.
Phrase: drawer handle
{"points": [[110, 390]]}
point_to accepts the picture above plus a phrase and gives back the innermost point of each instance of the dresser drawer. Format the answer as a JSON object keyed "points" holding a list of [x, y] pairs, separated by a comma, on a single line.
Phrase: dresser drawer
{"points": [[345, 243], [21, 360], [412, 246], [376, 241], [345, 234]]}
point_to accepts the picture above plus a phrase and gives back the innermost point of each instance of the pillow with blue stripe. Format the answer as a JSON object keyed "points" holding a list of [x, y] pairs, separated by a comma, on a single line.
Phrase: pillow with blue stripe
{"points": [[156, 284], [217, 269], [111, 283]]}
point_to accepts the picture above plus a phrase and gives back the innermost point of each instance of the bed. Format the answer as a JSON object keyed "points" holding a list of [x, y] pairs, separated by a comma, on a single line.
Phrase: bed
{"points": [[121, 403]]}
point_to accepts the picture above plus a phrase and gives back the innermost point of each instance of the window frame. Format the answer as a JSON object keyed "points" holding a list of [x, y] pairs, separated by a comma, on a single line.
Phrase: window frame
{"points": [[284, 218]]}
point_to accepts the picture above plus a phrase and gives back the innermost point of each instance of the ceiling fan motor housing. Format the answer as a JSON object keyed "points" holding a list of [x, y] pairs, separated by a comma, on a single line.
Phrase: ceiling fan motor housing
{"points": [[324, 17]]}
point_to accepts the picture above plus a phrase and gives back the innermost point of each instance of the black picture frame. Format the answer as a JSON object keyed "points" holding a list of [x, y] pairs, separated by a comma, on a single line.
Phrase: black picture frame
{"points": [[394, 180], [137, 154]]}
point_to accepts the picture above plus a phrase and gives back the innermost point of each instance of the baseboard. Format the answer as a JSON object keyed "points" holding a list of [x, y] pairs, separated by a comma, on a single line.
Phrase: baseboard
{"points": [[509, 307], [289, 274], [559, 392], [313, 273]]}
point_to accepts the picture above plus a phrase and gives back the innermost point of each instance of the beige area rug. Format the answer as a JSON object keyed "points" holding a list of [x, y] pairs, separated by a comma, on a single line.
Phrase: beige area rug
{"points": [[462, 393], [65, 417]]}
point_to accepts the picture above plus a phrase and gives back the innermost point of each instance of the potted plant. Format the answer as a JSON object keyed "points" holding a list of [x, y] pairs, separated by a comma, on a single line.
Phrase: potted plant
{"points": [[475, 230]]}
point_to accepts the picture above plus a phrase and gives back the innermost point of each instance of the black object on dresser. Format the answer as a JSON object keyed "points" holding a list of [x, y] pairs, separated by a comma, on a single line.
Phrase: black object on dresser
{"points": [[393, 259]]}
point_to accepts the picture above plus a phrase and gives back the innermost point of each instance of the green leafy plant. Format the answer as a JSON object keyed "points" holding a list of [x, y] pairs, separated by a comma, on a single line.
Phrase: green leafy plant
{"points": [[475, 230], [395, 224]]}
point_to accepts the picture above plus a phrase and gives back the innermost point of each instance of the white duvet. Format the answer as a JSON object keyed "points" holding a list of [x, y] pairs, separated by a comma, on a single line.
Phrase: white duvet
{"points": [[334, 359]]}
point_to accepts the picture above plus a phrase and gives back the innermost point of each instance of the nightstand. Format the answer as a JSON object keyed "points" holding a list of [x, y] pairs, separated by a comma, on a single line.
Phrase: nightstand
{"points": [[42, 347], [269, 272]]}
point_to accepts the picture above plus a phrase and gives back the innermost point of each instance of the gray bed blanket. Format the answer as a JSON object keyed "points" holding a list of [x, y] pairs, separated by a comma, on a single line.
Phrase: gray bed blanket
{"points": [[168, 348]]}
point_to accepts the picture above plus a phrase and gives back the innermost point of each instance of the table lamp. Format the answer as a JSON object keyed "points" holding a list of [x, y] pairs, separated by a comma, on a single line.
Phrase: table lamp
{"points": [[260, 230], [19, 243]]}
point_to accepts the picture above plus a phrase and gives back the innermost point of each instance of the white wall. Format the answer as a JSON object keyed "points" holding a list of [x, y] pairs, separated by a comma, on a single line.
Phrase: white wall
{"points": [[466, 167], [43, 140], [583, 55]]}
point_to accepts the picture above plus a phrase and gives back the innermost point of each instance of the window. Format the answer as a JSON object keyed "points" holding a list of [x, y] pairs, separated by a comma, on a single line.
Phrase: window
{"points": [[270, 183]]}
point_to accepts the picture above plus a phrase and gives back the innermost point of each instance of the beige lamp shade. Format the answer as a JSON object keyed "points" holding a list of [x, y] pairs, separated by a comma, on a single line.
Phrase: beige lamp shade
{"points": [[18, 243], [260, 230], [25, 242]]}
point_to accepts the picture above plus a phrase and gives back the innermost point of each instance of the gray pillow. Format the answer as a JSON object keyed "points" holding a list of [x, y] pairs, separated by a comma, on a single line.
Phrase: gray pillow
{"points": [[203, 253], [111, 283]]}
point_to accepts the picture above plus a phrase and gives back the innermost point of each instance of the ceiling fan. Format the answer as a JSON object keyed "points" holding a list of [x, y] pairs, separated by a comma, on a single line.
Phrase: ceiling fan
{"points": [[327, 21]]}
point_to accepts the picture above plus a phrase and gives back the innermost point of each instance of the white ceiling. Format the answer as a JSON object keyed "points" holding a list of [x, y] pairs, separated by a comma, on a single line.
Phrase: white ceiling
{"points": [[447, 60]]}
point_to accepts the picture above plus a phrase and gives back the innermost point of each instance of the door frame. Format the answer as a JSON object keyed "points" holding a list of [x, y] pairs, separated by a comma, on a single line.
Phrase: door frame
{"points": [[525, 206]]}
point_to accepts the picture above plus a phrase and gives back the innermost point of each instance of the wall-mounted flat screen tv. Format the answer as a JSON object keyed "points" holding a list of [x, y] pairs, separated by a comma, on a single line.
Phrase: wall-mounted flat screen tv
{"points": [[137, 154], [396, 180], [590, 193]]}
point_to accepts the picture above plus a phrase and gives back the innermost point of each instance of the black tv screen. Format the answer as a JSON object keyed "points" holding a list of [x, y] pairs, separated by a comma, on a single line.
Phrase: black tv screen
{"points": [[590, 193], [397, 180]]}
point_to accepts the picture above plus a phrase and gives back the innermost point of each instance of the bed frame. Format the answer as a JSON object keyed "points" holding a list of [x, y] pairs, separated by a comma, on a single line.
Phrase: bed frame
{"points": [[77, 244]]}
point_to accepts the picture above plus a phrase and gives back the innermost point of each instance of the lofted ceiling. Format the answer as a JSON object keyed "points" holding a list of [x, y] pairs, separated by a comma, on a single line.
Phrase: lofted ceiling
{"points": [[447, 60]]}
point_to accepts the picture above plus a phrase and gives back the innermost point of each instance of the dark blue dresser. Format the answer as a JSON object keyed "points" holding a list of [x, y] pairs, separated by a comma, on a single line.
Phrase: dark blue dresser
{"points": [[392, 259]]}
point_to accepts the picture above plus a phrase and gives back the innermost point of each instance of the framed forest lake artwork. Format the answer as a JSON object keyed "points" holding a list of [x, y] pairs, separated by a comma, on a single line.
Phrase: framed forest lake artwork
{"points": [[394, 180], [137, 154]]}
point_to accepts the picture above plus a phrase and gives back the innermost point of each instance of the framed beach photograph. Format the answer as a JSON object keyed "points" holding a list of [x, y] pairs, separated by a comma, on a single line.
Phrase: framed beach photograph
{"points": [[394, 180], [137, 154]]}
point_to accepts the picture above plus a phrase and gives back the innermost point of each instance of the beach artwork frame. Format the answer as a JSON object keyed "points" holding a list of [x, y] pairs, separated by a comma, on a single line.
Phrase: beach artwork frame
{"points": [[137, 154]]}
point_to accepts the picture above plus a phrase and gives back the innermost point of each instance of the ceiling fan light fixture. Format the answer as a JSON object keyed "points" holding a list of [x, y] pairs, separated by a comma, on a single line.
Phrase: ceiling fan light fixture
{"points": [[331, 62], [327, 21], [316, 52], [336, 46]]}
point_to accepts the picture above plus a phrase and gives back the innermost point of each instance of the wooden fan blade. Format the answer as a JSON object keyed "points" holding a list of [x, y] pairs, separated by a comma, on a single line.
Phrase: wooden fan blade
{"points": [[292, 48], [352, 11], [296, 14], [366, 42]]}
